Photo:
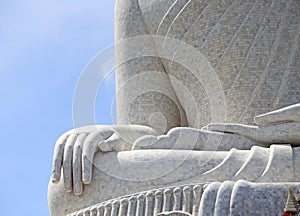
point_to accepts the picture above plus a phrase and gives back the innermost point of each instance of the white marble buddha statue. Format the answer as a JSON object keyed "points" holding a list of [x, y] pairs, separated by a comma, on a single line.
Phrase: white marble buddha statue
{"points": [[207, 91]]}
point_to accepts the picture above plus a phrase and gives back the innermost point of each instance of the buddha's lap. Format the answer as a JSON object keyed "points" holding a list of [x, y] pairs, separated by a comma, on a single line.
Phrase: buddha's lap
{"points": [[118, 174]]}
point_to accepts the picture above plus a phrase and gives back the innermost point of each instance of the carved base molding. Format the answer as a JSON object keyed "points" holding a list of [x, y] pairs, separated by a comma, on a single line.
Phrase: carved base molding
{"points": [[220, 199]]}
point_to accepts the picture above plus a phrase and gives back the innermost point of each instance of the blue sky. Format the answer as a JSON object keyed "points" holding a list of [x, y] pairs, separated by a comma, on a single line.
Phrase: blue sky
{"points": [[44, 46]]}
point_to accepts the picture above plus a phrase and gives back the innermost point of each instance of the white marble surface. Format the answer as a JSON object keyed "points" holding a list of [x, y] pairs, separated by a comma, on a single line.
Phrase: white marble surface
{"points": [[232, 69]]}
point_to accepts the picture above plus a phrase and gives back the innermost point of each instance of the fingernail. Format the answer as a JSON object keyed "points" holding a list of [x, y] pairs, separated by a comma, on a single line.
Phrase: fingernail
{"points": [[55, 177], [86, 177], [54, 180]]}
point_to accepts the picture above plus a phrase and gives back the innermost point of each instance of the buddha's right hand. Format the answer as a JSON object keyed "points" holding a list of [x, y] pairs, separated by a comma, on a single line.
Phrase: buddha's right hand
{"points": [[74, 151]]}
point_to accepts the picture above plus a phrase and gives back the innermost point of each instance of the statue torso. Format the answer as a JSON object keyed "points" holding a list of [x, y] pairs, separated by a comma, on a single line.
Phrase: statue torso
{"points": [[253, 46]]}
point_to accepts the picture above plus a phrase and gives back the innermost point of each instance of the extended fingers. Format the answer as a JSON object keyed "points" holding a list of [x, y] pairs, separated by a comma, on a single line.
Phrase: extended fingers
{"points": [[90, 147], [77, 168], [57, 158], [286, 114], [240, 129], [67, 162]]}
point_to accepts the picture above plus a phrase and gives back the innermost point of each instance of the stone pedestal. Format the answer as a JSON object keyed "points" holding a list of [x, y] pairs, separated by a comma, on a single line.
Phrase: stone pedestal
{"points": [[220, 199]]}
